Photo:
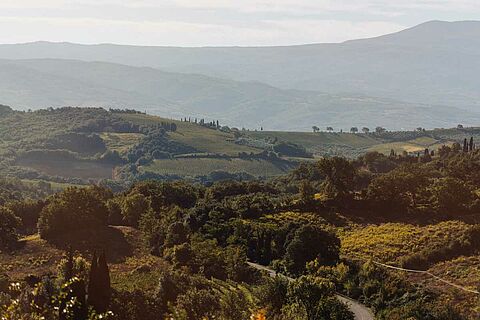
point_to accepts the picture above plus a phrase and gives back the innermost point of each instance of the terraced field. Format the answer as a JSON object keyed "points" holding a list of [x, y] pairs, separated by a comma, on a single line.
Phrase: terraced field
{"points": [[204, 166], [310, 139]]}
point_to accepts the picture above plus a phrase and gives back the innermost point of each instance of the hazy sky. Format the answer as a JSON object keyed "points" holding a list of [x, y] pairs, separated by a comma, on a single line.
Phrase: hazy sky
{"points": [[219, 22]]}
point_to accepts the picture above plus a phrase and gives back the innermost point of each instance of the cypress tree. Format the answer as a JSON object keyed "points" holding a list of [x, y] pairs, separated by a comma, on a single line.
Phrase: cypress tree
{"points": [[471, 144], [99, 289], [103, 285], [465, 145], [92, 282]]}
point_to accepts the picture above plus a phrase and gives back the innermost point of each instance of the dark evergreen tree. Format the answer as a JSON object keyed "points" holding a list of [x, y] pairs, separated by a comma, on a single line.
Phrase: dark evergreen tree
{"points": [[426, 156], [465, 145], [103, 285], [99, 289], [470, 145], [92, 282]]}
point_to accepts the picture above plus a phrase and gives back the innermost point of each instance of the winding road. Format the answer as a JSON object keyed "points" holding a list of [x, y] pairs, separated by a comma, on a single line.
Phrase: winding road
{"points": [[359, 311]]}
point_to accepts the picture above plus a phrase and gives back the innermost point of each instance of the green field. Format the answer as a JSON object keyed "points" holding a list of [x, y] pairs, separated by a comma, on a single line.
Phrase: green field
{"points": [[70, 168], [204, 166], [121, 142], [352, 145], [415, 145], [201, 138], [312, 141]]}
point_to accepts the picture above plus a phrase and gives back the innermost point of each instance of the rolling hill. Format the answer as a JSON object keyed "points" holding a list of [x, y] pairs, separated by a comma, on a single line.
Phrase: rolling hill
{"points": [[31, 84], [433, 63]]}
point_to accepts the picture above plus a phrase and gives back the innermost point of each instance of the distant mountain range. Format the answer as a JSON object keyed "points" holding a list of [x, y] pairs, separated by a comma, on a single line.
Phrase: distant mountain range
{"points": [[424, 76]]}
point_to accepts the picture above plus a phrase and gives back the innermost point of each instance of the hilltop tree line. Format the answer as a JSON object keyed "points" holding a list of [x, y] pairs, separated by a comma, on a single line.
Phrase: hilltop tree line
{"points": [[214, 124], [365, 130]]}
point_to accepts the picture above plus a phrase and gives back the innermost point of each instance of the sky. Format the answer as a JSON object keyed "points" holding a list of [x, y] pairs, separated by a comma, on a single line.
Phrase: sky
{"points": [[219, 22]]}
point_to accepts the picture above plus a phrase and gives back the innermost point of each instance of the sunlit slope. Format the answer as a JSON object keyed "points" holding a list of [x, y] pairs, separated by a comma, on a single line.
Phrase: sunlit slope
{"points": [[201, 138]]}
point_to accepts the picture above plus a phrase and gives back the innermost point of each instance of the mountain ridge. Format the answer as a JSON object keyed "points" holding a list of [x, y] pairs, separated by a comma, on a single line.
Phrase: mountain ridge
{"points": [[410, 65], [55, 83], [405, 73]]}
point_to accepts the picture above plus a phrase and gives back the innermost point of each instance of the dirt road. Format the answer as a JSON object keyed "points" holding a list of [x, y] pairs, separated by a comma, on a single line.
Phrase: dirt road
{"points": [[360, 311]]}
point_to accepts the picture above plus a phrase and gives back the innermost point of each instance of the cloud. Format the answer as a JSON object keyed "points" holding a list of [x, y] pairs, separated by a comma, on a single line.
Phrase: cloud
{"points": [[269, 32], [306, 6], [218, 22]]}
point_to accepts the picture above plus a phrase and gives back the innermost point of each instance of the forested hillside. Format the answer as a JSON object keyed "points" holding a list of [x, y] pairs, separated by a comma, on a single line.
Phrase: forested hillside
{"points": [[78, 146], [84, 145], [180, 249]]}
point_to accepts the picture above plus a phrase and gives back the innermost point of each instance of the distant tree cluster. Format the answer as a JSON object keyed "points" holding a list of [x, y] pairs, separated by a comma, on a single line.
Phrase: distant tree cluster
{"points": [[291, 150], [156, 145], [214, 124], [126, 111], [352, 129]]}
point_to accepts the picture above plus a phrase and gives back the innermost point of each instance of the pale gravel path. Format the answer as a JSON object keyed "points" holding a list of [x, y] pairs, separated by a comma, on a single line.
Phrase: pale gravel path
{"points": [[359, 311]]}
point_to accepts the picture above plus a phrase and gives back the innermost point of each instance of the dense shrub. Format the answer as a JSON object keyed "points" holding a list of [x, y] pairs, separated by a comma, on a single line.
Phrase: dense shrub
{"points": [[28, 211], [73, 209], [165, 194], [453, 196], [76, 142], [291, 150], [132, 207], [136, 304], [9, 225], [399, 189], [310, 243]]}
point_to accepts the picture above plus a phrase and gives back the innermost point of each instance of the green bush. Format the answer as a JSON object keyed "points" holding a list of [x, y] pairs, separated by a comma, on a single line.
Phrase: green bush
{"points": [[9, 224], [310, 243], [72, 210]]}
